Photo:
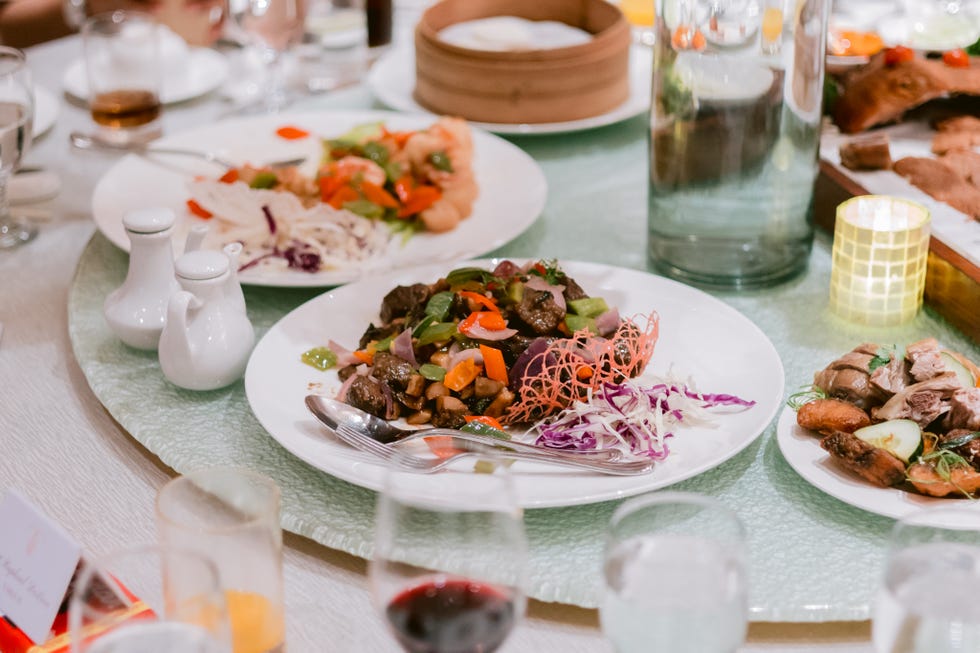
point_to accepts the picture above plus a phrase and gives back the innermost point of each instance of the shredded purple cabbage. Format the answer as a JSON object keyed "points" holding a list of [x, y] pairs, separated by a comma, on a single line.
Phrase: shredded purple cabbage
{"points": [[269, 219]]}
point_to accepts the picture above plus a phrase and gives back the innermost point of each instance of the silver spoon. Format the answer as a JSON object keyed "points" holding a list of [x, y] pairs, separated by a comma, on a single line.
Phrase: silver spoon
{"points": [[335, 413], [82, 141]]}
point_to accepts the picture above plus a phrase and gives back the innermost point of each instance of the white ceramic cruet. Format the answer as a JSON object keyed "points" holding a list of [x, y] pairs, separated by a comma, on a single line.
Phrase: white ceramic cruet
{"points": [[208, 338], [137, 310]]}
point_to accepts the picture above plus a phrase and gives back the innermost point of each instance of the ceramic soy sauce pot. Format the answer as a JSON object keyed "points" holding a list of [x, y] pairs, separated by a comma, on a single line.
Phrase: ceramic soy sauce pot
{"points": [[208, 338]]}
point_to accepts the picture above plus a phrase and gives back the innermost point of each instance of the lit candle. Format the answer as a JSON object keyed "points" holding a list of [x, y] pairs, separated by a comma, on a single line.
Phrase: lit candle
{"points": [[879, 260]]}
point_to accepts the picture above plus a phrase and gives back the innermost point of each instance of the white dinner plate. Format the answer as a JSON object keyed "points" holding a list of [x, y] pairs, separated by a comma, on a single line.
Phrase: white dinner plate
{"points": [[801, 449], [46, 107], [392, 80], [512, 188], [204, 71], [700, 337]]}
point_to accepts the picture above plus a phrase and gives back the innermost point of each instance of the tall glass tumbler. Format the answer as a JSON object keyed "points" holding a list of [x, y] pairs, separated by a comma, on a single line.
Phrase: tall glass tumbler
{"points": [[733, 139], [232, 515], [675, 577]]}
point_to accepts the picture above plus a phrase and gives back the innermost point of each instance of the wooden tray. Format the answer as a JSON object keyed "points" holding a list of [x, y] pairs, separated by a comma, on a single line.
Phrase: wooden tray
{"points": [[952, 281]]}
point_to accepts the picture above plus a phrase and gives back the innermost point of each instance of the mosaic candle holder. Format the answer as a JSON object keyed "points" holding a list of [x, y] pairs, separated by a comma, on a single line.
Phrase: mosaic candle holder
{"points": [[878, 269]]}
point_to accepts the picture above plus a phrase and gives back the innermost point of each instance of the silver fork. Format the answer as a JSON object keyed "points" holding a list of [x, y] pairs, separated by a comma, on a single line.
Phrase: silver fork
{"points": [[422, 465], [82, 141]]}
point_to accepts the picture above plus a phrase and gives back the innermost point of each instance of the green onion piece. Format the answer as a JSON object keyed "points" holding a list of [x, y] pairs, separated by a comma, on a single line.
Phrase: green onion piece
{"points": [[365, 208], [432, 372], [480, 428], [437, 332], [438, 305], [375, 152], [805, 396], [579, 322], [440, 161], [264, 180], [588, 306], [384, 344], [319, 357]]}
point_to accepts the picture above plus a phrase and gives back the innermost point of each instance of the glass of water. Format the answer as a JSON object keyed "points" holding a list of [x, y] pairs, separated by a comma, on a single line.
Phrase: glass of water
{"points": [[16, 121], [674, 576], [927, 601], [150, 599]]}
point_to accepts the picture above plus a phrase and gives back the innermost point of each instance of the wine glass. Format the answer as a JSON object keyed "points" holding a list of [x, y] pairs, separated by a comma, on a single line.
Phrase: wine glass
{"points": [[449, 556], [150, 599], [926, 603], [274, 26], [16, 124], [674, 576]]}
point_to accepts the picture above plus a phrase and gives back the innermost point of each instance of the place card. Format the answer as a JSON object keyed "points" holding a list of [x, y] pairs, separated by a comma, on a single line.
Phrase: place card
{"points": [[37, 560]]}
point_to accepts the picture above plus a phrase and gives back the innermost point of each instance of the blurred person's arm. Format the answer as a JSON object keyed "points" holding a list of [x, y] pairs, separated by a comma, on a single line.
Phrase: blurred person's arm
{"points": [[27, 22]]}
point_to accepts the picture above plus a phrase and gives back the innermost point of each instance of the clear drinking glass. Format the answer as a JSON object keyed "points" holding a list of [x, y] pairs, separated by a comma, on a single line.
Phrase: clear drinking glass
{"points": [[927, 602], [124, 72], [334, 50], [428, 523], [733, 142], [149, 599], [232, 515], [16, 124], [675, 577], [273, 26]]}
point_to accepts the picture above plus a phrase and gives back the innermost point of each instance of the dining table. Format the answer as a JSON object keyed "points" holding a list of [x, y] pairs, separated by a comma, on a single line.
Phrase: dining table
{"points": [[83, 424]]}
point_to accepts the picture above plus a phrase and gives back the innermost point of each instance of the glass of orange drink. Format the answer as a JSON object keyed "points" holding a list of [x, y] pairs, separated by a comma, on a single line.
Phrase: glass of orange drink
{"points": [[232, 514]]}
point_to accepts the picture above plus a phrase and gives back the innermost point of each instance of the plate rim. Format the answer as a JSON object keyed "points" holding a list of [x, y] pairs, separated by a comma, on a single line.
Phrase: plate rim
{"points": [[613, 493], [289, 279], [213, 59], [637, 102], [43, 96], [801, 450]]}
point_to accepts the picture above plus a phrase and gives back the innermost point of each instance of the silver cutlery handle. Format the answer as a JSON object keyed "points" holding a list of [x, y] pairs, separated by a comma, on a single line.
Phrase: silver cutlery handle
{"points": [[607, 455]]}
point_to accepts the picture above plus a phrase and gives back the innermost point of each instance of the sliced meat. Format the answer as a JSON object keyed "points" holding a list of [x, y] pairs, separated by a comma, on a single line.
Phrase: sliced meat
{"points": [[829, 415], [966, 163], [940, 182], [858, 457], [890, 378], [401, 299], [869, 152], [539, 311], [366, 393], [921, 402], [964, 410], [946, 142], [848, 378], [969, 124], [391, 369], [572, 290], [925, 359]]}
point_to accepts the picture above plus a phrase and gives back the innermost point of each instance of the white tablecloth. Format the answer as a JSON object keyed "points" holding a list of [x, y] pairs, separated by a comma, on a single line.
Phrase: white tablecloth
{"points": [[63, 451]]}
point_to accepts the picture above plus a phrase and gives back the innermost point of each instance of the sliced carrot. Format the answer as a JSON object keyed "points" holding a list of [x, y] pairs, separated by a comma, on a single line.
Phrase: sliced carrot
{"points": [[365, 356], [442, 446], [420, 199], [328, 186], [484, 419], [342, 195], [229, 177], [461, 375], [404, 187], [291, 133], [482, 300], [198, 210], [493, 362], [486, 319], [378, 195]]}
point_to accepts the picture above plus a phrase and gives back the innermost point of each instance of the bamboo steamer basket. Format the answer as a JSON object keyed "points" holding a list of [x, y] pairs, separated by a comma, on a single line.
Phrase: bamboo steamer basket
{"points": [[526, 86]]}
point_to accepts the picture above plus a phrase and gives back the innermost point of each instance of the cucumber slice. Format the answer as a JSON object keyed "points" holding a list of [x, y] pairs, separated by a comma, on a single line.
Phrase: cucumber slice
{"points": [[901, 437], [952, 365]]}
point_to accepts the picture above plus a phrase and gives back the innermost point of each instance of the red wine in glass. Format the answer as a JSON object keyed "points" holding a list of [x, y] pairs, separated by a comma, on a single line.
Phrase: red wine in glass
{"points": [[451, 616]]}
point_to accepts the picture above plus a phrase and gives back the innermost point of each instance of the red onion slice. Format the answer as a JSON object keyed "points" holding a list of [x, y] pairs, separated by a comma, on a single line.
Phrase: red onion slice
{"points": [[478, 332], [345, 356], [462, 355], [608, 322], [401, 346]]}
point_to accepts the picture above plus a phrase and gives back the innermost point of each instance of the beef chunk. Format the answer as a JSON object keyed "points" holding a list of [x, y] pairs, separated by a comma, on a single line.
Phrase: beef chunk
{"points": [[848, 378], [392, 370], [366, 394], [925, 359], [402, 299], [345, 372], [373, 333], [920, 402], [891, 378], [572, 291], [870, 152], [964, 409], [539, 311], [450, 412]]}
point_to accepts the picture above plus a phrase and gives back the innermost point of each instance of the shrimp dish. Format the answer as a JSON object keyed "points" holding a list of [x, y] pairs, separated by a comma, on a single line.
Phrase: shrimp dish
{"points": [[370, 185]]}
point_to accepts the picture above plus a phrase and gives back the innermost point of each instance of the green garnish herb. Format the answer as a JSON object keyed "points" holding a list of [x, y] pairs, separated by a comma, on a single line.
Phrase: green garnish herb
{"points": [[552, 273], [438, 305], [805, 396], [432, 372], [319, 357], [973, 50], [944, 462], [440, 161], [375, 152], [437, 332], [264, 180], [881, 358], [407, 228], [955, 443], [460, 276], [384, 344]]}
